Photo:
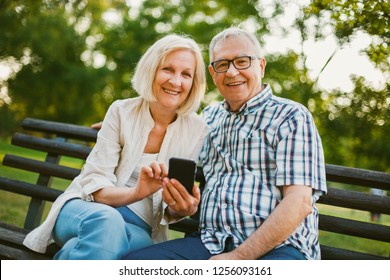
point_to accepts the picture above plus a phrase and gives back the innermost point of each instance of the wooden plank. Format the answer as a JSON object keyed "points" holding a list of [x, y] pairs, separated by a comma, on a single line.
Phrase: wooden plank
{"points": [[28, 189], [356, 200], [41, 167], [12, 234], [51, 146], [358, 176], [10, 253], [11, 245], [61, 129], [354, 228], [331, 253]]}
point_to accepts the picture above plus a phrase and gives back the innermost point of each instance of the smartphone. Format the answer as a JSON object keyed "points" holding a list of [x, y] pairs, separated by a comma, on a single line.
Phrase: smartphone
{"points": [[183, 170]]}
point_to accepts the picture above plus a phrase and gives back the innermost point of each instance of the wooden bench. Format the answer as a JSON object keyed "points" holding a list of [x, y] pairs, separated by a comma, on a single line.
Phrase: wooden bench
{"points": [[59, 139]]}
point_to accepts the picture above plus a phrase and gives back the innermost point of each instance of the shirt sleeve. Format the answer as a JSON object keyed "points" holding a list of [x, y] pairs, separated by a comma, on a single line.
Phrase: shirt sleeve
{"points": [[98, 170], [299, 153]]}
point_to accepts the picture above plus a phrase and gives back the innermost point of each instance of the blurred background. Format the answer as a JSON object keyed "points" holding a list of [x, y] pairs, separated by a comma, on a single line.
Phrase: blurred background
{"points": [[69, 60]]}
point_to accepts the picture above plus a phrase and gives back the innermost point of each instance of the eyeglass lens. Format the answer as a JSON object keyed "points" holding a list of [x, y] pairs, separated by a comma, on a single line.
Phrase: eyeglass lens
{"points": [[240, 63]]}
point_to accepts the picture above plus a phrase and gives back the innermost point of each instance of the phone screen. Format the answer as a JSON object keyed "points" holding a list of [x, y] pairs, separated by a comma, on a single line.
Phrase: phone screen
{"points": [[183, 170]]}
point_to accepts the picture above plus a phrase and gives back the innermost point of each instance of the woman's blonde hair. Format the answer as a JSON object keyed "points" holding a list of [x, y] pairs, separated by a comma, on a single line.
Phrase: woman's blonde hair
{"points": [[155, 55]]}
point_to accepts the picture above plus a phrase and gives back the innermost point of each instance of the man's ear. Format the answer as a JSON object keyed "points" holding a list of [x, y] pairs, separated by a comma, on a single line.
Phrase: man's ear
{"points": [[263, 63]]}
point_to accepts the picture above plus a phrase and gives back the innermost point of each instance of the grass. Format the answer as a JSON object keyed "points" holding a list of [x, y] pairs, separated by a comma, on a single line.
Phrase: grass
{"points": [[13, 206], [350, 242]]}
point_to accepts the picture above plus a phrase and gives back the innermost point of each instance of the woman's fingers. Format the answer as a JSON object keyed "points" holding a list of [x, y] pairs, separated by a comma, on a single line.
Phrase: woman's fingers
{"points": [[164, 170], [159, 170], [177, 197]]}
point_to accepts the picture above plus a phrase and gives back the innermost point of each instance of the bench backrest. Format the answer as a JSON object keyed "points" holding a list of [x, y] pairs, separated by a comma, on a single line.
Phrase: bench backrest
{"points": [[77, 141]]}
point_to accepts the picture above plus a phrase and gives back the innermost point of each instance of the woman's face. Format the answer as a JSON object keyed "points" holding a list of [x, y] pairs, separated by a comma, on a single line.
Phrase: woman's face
{"points": [[174, 78]]}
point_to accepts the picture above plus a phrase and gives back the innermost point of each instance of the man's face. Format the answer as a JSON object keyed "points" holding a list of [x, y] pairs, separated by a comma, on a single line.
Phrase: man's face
{"points": [[237, 86]]}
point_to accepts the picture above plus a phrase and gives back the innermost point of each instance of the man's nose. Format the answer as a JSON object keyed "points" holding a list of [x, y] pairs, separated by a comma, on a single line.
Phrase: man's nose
{"points": [[232, 70]]}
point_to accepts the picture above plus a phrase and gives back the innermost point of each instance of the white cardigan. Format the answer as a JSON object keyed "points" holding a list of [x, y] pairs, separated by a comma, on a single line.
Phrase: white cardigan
{"points": [[118, 148]]}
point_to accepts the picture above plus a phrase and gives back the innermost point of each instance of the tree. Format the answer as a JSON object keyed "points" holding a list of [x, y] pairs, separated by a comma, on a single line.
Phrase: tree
{"points": [[46, 42], [359, 120]]}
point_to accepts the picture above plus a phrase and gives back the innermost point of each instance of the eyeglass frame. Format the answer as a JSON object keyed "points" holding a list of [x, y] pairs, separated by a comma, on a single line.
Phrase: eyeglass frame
{"points": [[231, 61]]}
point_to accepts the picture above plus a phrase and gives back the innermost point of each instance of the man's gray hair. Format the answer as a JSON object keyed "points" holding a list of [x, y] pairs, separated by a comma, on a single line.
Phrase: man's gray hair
{"points": [[233, 32]]}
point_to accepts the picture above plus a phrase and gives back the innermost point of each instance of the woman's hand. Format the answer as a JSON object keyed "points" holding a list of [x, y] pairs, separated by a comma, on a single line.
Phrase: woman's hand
{"points": [[150, 179], [180, 202]]}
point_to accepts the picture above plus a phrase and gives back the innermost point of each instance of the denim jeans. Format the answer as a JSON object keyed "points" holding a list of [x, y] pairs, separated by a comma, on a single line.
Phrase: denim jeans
{"points": [[95, 231], [192, 248]]}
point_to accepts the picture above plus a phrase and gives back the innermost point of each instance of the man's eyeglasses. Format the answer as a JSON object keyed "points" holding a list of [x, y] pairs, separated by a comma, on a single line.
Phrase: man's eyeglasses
{"points": [[240, 63]]}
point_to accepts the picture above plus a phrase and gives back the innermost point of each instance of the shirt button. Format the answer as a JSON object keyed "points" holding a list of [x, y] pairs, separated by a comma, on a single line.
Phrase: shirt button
{"points": [[227, 228], [230, 169], [225, 186], [224, 205]]}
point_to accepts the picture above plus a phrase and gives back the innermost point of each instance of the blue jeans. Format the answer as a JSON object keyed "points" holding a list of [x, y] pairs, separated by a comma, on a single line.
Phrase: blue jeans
{"points": [[192, 248], [95, 231]]}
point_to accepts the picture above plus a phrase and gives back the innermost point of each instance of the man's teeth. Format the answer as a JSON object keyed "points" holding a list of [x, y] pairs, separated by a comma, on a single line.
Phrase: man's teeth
{"points": [[236, 84], [171, 92]]}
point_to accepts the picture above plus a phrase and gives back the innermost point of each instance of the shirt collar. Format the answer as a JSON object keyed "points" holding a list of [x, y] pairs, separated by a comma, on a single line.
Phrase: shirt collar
{"points": [[252, 104]]}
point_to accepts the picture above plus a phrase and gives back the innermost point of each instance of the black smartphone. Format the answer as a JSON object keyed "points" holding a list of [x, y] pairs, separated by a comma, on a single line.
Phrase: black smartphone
{"points": [[183, 170]]}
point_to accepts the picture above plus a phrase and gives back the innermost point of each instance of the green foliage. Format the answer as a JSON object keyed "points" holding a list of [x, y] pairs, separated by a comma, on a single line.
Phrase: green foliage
{"points": [[71, 59], [53, 81], [356, 123]]}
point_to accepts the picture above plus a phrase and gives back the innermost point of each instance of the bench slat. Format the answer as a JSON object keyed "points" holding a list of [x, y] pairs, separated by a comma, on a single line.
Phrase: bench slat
{"points": [[332, 253], [51, 146], [12, 253], [41, 167], [61, 129], [354, 228], [356, 200], [358, 176], [28, 189], [11, 245]]}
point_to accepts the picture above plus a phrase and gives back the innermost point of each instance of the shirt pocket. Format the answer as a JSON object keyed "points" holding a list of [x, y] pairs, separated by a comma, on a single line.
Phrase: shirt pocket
{"points": [[256, 154]]}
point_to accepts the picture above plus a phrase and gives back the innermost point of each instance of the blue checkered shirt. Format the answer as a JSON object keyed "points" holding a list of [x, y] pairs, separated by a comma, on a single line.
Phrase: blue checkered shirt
{"points": [[270, 142]]}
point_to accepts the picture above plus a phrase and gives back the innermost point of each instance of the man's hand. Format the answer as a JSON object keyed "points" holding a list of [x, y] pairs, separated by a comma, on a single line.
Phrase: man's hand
{"points": [[97, 125]]}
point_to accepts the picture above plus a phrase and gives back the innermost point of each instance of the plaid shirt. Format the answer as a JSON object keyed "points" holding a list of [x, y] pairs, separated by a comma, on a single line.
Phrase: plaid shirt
{"points": [[270, 142]]}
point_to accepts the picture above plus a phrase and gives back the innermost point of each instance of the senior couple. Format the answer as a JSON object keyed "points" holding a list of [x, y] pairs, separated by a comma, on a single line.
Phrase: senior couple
{"points": [[261, 155]]}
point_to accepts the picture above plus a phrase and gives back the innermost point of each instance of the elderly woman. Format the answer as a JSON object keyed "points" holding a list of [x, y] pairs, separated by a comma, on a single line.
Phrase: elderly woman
{"points": [[122, 200]]}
